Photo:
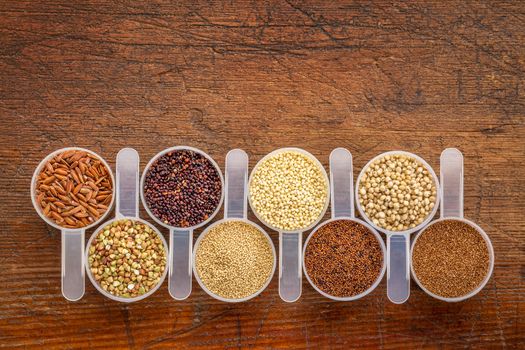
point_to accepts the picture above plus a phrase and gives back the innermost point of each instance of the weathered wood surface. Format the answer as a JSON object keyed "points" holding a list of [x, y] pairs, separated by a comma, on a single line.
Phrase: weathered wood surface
{"points": [[261, 75]]}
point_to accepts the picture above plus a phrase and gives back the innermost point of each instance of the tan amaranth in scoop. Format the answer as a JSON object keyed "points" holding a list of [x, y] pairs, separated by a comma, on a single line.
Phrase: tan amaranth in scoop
{"points": [[234, 259]]}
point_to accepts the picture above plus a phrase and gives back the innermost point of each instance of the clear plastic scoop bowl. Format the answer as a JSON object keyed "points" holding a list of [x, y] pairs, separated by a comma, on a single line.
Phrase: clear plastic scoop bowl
{"points": [[73, 240], [127, 207], [235, 209], [181, 238], [398, 242], [290, 242], [451, 176], [342, 204]]}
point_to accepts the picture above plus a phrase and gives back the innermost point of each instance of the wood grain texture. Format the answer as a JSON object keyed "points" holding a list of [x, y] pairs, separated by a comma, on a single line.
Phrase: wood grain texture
{"points": [[259, 75]]}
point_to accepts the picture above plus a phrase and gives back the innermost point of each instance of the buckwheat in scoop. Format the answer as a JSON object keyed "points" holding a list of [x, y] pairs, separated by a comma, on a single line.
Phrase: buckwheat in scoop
{"points": [[127, 258]]}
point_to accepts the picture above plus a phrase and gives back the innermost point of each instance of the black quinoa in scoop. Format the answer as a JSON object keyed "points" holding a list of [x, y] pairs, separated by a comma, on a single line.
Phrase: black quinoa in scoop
{"points": [[182, 188]]}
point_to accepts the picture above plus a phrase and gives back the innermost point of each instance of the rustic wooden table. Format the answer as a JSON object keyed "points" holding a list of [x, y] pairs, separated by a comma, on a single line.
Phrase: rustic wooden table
{"points": [[262, 75]]}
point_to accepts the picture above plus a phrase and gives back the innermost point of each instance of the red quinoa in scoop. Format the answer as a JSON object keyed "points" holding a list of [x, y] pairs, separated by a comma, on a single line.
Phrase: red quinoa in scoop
{"points": [[343, 258]]}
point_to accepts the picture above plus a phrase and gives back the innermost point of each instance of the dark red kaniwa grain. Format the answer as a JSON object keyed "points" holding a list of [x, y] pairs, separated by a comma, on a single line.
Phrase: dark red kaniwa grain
{"points": [[182, 188], [343, 258]]}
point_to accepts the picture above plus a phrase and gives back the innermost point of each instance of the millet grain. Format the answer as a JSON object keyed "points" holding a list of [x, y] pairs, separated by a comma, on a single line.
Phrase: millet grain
{"points": [[288, 190]]}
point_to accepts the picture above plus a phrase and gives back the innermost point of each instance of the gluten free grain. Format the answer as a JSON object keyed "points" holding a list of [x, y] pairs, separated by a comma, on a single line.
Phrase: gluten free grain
{"points": [[397, 192], [289, 190], [127, 258], [450, 258], [74, 189], [234, 259], [183, 188], [343, 258]]}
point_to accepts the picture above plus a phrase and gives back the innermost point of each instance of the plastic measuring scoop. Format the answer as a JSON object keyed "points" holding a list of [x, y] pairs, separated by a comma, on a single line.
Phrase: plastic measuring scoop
{"points": [[398, 242], [181, 238], [451, 175], [290, 242], [342, 208], [235, 209], [73, 240], [127, 207]]}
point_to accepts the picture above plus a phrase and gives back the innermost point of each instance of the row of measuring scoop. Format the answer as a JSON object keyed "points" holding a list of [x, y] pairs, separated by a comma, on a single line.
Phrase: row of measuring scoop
{"points": [[182, 188]]}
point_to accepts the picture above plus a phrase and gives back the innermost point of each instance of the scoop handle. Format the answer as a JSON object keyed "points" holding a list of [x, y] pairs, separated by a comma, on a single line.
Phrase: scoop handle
{"points": [[236, 184], [451, 177], [290, 276], [73, 284], [341, 183], [398, 280], [127, 183], [179, 281]]}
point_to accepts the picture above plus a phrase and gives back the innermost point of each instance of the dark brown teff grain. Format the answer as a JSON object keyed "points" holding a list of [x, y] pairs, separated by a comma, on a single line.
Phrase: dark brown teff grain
{"points": [[74, 189], [450, 258], [343, 258], [182, 188]]}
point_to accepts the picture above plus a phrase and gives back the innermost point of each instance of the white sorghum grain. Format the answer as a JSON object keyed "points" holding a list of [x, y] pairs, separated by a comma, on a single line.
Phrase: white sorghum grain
{"points": [[397, 192], [127, 258], [289, 190], [234, 259]]}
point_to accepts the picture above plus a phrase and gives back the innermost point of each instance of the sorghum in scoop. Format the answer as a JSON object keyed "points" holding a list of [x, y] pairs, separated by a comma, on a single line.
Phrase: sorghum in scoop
{"points": [[343, 258], [234, 259], [397, 192], [182, 188], [74, 189], [450, 258], [127, 258], [289, 190]]}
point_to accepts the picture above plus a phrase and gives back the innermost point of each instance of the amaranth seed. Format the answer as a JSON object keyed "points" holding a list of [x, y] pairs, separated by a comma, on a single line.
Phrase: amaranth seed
{"points": [[234, 259]]}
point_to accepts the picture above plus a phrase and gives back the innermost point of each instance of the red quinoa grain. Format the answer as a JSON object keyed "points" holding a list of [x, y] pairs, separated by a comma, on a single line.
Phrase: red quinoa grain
{"points": [[343, 258]]}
